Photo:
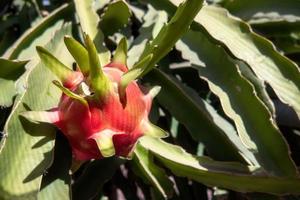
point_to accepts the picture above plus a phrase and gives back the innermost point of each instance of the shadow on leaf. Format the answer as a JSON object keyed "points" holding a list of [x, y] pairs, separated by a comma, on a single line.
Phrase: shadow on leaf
{"points": [[61, 163], [40, 168]]}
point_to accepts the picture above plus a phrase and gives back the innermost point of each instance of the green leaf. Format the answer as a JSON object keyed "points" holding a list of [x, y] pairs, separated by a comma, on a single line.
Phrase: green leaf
{"points": [[6, 24], [143, 162], [56, 183], [115, 17], [10, 71], [42, 31], [257, 11], [27, 150], [153, 22], [101, 4], [219, 127], [227, 175], [231, 133], [88, 17], [258, 53], [195, 117], [94, 176], [6, 40], [89, 23], [170, 33], [137, 12], [288, 43], [268, 64], [79, 53], [238, 98], [278, 29], [8, 92], [258, 84]]}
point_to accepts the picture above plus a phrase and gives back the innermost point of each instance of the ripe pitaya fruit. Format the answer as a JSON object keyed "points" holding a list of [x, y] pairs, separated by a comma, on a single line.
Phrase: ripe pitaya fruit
{"points": [[102, 111]]}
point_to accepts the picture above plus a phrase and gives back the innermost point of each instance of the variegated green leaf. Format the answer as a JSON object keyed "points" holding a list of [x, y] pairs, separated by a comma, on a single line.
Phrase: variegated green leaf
{"points": [[240, 102], [227, 175], [153, 22], [94, 176], [56, 182], [194, 115], [150, 172], [258, 11], [268, 64], [170, 33], [89, 21], [115, 17], [26, 152], [40, 34]]}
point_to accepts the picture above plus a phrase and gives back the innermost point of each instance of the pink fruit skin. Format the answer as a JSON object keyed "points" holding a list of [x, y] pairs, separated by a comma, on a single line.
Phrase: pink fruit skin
{"points": [[73, 80], [82, 124]]}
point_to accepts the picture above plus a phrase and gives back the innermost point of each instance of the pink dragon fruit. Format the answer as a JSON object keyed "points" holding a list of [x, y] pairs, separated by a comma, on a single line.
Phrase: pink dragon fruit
{"points": [[100, 112]]}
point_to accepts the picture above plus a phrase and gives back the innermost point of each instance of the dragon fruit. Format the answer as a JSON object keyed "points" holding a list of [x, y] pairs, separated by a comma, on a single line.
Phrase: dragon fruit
{"points": [[101, 112]]}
